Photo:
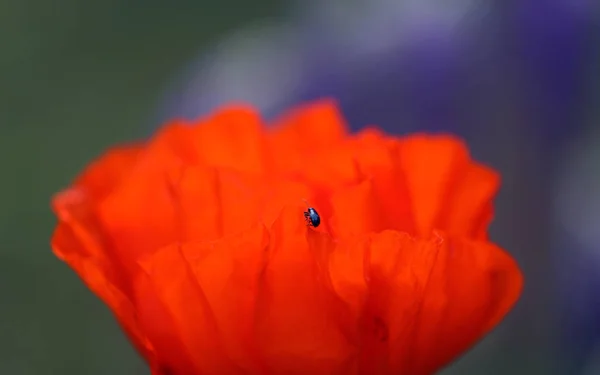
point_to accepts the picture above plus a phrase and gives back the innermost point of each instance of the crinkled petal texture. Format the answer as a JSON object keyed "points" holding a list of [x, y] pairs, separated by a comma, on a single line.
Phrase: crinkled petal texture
{"points": [[197, 241]]}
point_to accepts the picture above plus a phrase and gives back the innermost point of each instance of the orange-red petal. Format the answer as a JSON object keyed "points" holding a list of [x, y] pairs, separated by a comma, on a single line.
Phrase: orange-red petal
{"points": [[448, 191], [139, 214], [356, 211], [79, 242], [262, 302], [211, 203], [305, 131], [100, 177], [209, 289], [423, 301], [176, 316], [298, 325], [232, 138]]}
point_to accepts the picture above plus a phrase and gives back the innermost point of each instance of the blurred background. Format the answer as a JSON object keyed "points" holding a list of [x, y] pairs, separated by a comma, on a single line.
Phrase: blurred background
{"points": [[519, 80]]}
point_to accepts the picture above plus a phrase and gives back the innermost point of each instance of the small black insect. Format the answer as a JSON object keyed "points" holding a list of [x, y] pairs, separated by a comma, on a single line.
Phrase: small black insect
{"points": [[312, 217]]}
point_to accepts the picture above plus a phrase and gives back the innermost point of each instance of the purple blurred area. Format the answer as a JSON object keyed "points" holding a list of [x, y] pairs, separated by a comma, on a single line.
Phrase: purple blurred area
{"points": [[518, 80]]}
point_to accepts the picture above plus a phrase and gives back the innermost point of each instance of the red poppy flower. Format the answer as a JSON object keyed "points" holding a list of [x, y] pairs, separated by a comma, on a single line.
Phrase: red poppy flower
{"points": [[197, 241]]}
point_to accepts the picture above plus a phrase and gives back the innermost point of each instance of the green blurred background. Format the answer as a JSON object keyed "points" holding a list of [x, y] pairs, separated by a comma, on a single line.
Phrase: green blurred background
{"points": [[75, 77]]}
